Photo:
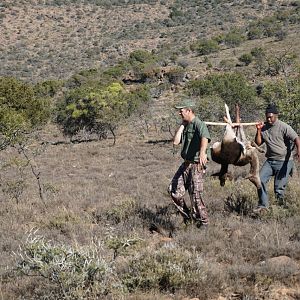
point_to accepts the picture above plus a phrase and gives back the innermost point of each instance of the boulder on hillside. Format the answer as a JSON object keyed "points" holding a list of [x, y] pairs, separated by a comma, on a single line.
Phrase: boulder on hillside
{"points": [[282, 264]]}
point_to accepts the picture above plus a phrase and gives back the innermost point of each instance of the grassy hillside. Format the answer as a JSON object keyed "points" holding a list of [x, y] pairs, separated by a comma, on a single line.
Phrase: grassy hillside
{"points": [[54, 39], [82, 218]]}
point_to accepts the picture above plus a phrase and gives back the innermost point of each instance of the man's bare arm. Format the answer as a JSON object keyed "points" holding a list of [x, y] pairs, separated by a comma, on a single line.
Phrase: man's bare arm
{"points": [[177, 136], [203, 148], [258, 138]]}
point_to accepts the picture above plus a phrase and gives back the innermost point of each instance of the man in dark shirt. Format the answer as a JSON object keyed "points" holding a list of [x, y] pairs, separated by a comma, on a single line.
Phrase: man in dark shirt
{"points": [[194, 137], [279, 138]]}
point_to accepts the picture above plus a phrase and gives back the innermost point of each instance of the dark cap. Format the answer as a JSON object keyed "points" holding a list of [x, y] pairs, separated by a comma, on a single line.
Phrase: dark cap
{"points": [[271, 109], [185, 103]]}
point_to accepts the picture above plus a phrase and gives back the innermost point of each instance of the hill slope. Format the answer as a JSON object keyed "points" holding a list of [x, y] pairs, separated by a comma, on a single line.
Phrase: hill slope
{"points": [[54, 39]]}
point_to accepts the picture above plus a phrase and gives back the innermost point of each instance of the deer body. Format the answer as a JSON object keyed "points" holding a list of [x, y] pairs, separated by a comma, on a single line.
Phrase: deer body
{"points": [[236, 150]]}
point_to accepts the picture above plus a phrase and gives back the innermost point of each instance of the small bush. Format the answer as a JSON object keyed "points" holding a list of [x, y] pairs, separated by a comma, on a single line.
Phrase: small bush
{"points": [[20, 110], [257, 52], [234, 38], [141, 56], [122, 210], [48, 88], [75, 273], [205, 47], [254, 32], [242, 200], [172, 270], [176, 75], [246, 58]]}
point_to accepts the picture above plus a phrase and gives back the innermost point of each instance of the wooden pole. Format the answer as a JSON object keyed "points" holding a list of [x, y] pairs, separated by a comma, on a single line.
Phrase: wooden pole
{"points": [[233, 124]]}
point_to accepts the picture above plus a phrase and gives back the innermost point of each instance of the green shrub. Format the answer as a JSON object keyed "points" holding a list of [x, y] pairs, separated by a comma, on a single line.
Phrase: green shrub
{"points": [[234, 38], [205, 47], [175, 13], [115, 71], [21, 111], [227, 64], [232, 88], [246, 58], [141, 56], [254, 32], [98, 109], [266, 27], [257, 52], [176, 75], [122, 245], [286, 94], [47, 88], [121, 210]]}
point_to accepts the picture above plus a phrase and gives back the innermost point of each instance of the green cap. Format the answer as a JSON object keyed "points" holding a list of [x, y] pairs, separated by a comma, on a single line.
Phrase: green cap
{"points": [[185, 103]]}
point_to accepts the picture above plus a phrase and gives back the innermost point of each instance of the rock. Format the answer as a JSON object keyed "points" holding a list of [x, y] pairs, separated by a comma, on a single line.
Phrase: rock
{"points": [[282, 263]]}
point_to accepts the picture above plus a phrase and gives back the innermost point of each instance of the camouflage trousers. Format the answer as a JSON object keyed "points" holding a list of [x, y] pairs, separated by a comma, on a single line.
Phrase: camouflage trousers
{"points": [[188, 177]]}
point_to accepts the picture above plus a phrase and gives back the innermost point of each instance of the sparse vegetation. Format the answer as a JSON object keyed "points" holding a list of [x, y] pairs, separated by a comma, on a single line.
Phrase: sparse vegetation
{"points": [[105, 71]]}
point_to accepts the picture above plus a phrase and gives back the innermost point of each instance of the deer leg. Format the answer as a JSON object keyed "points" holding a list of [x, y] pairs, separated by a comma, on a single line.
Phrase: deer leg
{"points": [[223, 174], [254, 168]]}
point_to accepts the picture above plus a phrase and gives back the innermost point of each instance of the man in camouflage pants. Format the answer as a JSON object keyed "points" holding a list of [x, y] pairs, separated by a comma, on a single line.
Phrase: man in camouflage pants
{"points": [[194, 137]]}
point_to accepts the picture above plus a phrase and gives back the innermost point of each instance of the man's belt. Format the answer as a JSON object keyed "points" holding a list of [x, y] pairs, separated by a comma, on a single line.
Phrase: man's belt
{"points": [[189, 162]]}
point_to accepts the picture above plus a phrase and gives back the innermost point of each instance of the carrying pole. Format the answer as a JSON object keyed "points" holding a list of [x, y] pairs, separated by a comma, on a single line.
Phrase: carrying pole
{"points": [[233, 124]]}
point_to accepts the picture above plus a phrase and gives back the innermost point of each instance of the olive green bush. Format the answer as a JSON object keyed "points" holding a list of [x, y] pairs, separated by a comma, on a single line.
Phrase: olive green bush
{"points": [[232, 88], [205, 47], [234, 38], [98, 109], [48, 88], [246, 58], [144, 64], [286, 94], [272, 25], [21, 110]]}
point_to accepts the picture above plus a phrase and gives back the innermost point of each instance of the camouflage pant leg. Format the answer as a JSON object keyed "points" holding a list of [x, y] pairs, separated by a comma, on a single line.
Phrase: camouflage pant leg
{"points": [[177, 190], [196, 194]]}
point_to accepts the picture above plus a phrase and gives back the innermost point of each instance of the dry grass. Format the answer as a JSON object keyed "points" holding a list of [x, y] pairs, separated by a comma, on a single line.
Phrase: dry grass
{"points": [[111, 195]]}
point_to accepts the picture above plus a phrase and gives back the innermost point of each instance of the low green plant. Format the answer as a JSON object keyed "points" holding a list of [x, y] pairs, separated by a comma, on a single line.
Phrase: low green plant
{"points": [[122, 210], [242, 200], [205, 47], [48, 88], [121, 245], [170, 271], [234, 38], [74, 272], [176, 75], [246, 58], [14, 188]]}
